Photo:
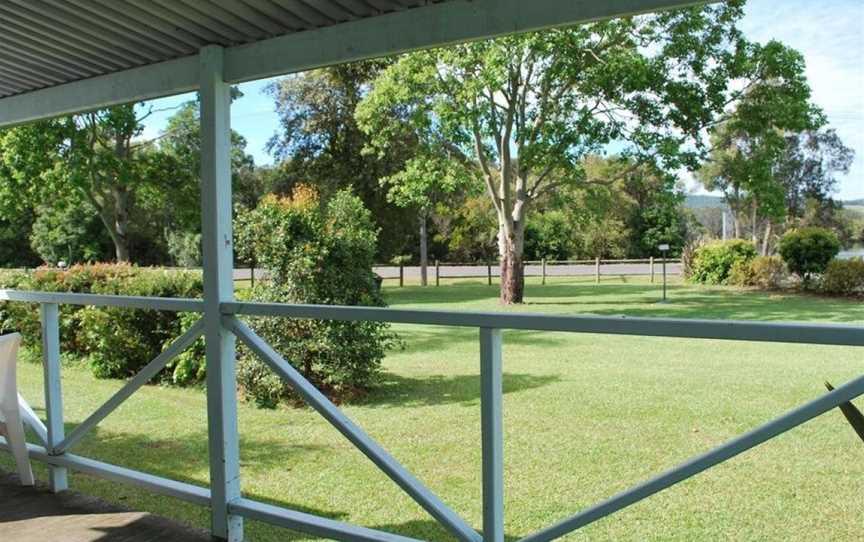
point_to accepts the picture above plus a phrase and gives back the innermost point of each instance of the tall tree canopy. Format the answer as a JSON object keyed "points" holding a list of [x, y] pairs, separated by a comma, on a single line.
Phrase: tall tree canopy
{"points": [[521, 112]]}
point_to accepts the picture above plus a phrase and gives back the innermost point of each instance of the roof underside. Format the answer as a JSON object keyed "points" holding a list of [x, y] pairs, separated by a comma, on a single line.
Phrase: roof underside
{"points": [[45, 43], [60, 57]]}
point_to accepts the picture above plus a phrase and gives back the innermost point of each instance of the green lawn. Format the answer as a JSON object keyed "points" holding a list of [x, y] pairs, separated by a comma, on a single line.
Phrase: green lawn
{"points": [[585, 416]]}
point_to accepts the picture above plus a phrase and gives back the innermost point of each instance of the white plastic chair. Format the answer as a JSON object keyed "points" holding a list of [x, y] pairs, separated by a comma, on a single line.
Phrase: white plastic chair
{"points": [[14, 410]]}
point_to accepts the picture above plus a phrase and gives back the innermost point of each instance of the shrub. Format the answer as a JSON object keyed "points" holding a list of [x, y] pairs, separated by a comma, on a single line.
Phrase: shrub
{"points": [[712, 263], [807, 251], [844, 277], [765, 272], [116, 341], [322, 255]]}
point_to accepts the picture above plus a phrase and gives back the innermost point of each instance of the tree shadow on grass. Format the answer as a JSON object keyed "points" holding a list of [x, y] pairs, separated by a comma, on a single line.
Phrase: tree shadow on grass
{"points": [[399, 391], [420, 529], [430, 339], [744, 308], [171, 457]]}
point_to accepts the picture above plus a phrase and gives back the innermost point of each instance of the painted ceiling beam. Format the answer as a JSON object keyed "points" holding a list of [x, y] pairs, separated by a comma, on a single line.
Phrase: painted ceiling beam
{"points": [[409, 30]]}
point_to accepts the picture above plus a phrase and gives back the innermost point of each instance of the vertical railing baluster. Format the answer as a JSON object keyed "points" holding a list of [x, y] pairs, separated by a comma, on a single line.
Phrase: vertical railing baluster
{"points": [[50, 316], [492, 434]]}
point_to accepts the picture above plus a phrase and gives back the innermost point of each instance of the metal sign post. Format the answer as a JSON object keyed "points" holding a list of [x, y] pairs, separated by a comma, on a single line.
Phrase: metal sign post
{"points": [[664, 248]]}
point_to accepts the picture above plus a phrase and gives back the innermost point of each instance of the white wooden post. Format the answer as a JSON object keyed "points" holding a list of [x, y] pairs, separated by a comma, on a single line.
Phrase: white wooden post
{"points": [[492, 433], [50, 316], [651, 263], [219, 287]]}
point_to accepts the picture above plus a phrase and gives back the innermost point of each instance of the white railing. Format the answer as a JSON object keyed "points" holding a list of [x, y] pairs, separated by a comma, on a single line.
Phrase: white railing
{"points": [[56, 451]]}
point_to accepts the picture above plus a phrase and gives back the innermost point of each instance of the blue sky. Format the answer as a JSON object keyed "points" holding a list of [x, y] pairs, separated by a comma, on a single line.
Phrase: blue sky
{"points": [[830, 34]]}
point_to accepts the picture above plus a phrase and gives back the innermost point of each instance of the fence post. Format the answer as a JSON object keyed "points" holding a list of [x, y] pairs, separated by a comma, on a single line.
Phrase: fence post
{"points": [[597, 270], [401, 275], [492, 434], [223, 438], [652, 269], [437, 273], [489, 273], [50, 316], [543, 263]]}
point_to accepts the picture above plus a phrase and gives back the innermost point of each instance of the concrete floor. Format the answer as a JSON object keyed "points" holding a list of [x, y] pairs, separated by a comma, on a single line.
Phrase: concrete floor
{"points": [[30, 514]]}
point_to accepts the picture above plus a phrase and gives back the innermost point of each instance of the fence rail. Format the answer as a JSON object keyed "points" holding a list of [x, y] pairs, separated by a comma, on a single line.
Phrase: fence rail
{"points": [[533, 268], [56, 454]]}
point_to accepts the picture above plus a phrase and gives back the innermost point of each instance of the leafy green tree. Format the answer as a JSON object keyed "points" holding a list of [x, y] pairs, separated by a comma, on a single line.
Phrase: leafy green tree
{"points": [[178, 150], [69, 232], [521, 112], [808, 168], [550, 235], [468, 226], [15, 233], [424, 183], [750, 147], [92, 155], [319, 143]]}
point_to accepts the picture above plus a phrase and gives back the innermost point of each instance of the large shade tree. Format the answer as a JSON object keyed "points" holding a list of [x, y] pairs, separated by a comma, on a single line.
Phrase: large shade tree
{"points": [[521, 112]]}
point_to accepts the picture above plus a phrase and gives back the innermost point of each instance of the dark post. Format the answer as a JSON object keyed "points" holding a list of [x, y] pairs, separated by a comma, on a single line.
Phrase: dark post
{"points": [[401, 275], [489, 272], [663, 248], [437, 273]]}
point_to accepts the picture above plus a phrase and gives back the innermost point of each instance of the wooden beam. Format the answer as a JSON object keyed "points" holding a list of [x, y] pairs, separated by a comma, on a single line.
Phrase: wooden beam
{"points": [[134, 85], [422, 28], [419, 28]]}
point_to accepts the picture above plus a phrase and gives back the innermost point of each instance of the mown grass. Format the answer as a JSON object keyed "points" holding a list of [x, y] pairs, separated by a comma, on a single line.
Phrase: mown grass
{"points": [[585, 417]]}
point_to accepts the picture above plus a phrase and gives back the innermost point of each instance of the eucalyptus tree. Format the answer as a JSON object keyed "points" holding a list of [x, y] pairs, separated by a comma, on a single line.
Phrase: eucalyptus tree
{"points": [[519, 113]]}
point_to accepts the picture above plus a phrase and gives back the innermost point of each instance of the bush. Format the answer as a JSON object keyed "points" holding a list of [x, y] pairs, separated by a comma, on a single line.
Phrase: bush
{"points": [[322, 255], [844, 277], [767, 272], [712, 263], [807, 251], [118, 342]]}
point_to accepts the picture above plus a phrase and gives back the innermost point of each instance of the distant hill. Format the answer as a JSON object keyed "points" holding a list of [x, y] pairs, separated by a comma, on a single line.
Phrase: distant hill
{"points": [[854, 203]]}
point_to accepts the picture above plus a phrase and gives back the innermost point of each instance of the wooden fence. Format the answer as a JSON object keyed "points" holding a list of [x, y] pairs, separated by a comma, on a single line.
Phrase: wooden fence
{"points": [[541, 268]]}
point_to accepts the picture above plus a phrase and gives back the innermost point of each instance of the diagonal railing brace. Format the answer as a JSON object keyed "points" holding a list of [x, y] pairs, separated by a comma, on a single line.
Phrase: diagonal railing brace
{"points": [[751, 439], [145, 375], [371, 449]]}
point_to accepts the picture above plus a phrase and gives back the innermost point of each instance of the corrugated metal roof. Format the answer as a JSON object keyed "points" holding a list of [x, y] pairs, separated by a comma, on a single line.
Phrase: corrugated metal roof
{"points": [[44, 43]]}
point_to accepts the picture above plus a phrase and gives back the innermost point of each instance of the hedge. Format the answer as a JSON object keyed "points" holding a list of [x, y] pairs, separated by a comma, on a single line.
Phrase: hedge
{"points": [[844, 277], [713, 263], [117, 342]]}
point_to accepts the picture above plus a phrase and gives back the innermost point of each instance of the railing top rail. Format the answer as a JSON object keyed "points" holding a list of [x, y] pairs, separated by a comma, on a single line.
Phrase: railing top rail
{"points": [[826, 334], [172, 304]]}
